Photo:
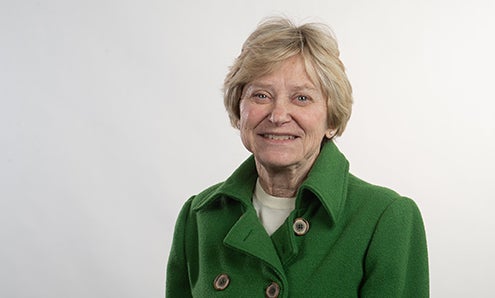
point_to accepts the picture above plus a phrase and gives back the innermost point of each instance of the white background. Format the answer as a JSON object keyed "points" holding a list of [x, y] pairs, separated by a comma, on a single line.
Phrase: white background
{"points": [[111, 116]]}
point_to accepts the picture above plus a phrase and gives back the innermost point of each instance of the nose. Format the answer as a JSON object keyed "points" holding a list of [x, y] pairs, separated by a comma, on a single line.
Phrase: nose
{"points": [[280, 113]]}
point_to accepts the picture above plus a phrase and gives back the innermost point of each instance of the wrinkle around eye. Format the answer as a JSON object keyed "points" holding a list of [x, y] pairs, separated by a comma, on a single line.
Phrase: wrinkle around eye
{"points": [[260, 95], [302, 100]]}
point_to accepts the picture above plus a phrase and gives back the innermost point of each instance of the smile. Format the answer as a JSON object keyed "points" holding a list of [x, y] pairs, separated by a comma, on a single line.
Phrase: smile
{"points": [[278, 137]]}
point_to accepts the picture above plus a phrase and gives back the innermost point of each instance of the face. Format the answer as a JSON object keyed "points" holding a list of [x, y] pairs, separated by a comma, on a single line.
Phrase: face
{"points": [[283, 117]]}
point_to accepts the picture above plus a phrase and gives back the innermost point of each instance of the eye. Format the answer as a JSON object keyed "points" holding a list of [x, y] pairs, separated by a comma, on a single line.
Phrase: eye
{"points": [[260, 95], [302, 100]]}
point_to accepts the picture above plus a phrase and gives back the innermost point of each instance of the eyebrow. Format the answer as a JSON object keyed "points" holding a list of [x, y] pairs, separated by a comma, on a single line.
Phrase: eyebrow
{"points": [[304, 87]]}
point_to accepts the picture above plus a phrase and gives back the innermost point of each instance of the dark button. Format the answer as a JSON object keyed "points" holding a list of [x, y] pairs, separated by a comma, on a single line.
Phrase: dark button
{"points": [[300, 226], [221, 282], [272, 290]]}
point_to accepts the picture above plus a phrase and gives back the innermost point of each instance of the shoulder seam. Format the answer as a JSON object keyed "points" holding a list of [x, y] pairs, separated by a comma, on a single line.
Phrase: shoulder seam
{"points": [[204, 195]]}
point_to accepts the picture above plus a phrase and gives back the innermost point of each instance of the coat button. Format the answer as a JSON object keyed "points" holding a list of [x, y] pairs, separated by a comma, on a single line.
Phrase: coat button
{"points": [[300, 226], [273, 290], [221, 282]]}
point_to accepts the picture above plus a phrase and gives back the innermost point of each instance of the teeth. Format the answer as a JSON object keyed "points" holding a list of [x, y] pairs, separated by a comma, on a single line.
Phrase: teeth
{"points": [[278, 137]]}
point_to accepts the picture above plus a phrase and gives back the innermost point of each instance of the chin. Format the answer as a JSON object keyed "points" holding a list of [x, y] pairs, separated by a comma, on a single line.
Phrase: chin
{"points": [[276, 160]]}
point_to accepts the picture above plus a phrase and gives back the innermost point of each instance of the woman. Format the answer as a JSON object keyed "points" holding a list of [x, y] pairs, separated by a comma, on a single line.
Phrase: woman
{"points": [[292, 221]]}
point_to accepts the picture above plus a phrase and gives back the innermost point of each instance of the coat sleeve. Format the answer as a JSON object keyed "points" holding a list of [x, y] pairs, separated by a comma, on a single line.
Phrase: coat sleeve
{"points": [[396, 263], [177, 281]]}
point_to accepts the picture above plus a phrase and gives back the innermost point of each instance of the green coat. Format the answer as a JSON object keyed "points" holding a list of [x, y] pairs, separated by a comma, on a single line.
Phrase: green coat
{"points": [[363, 240]]}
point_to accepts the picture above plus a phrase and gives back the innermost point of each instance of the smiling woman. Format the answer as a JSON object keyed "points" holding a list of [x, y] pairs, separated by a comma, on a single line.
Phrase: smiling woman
{"points": [[283, 121], [291, 220]]}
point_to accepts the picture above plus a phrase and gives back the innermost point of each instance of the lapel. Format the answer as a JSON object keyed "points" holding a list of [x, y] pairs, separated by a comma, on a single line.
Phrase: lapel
{"points": [[327, 180], [249, 236]]}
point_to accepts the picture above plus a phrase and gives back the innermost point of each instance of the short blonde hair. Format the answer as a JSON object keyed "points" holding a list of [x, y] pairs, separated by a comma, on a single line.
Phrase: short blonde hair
{"points": [[277, 39]]}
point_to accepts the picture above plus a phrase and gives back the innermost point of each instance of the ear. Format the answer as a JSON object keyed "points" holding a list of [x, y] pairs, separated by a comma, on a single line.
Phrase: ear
{"points": [[330, 133]]}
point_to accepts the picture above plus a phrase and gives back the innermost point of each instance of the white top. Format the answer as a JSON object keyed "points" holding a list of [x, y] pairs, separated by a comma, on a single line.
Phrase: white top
{"points": [[272, 211]]}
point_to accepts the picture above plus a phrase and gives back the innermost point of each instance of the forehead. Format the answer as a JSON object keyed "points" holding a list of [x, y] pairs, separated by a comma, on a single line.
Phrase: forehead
{"points": [[292, 71]]}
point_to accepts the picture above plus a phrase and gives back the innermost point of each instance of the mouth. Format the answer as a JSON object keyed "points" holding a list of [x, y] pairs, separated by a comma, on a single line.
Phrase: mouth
{"points": [[278, 137]]}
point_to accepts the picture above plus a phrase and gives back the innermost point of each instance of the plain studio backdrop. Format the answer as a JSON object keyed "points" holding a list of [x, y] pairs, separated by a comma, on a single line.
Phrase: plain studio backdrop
{"points": [[111, 116]]}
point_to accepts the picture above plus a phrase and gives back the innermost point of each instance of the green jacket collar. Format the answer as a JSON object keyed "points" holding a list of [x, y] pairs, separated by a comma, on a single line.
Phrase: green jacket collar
{"points": [[327, 180]]}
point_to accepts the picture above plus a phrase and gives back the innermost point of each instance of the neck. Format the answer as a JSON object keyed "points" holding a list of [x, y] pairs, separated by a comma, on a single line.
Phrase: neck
{"points": [[282, 182]]}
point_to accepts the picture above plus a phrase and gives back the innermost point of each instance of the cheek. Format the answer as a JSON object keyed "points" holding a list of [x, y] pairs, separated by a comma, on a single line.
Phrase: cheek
{"points": [[316, 124], [248, 116], [244, 121], [245, 132]]}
